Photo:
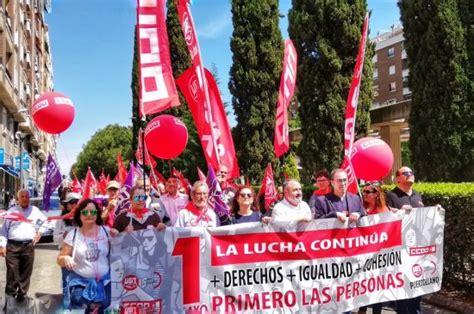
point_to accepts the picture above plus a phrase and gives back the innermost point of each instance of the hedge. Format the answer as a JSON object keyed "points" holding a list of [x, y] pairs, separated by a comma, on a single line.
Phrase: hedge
{"points": [[458, 201]]}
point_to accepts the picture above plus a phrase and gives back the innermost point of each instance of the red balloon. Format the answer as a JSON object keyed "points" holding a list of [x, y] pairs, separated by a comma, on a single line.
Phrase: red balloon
{"points": [[53, 112], [166, 136], [372, 159]]}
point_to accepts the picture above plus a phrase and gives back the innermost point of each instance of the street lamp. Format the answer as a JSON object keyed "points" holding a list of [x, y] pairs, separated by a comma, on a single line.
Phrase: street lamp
{"points": [[20, 136]]}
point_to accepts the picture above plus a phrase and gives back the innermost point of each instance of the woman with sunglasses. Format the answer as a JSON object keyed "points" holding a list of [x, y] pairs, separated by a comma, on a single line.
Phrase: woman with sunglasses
{"points": [[374, 199], [245, 207], [138, 217], [86, 255]]}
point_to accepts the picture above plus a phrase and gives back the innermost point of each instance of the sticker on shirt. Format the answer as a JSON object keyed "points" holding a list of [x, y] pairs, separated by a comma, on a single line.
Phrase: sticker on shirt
{"points": [[92, 252]]}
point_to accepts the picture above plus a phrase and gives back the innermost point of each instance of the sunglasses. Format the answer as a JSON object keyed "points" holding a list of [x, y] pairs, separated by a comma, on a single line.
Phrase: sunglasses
{"points": [[138, 198], [89, 212], [370, 191], [246, 195], [408, 173], [149, 238]]}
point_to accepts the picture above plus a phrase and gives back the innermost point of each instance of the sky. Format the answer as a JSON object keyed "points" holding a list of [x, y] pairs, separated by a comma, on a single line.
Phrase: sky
{"points": [[92, 52]]}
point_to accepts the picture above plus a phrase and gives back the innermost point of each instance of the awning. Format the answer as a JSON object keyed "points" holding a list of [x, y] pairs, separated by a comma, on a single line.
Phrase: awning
{"points": [[10, 170]]}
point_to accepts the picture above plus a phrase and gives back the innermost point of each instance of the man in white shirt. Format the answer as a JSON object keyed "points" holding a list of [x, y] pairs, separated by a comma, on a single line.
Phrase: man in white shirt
{"points": [[292, 207], [17, 243], [197, 213], [173, 201]]}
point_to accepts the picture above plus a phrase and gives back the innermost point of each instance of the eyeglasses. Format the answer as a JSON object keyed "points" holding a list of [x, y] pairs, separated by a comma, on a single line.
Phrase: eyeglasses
{"points": [[246, 195], [138, 198], [343, 180], [370, 191], [408, 173], [89, 212], [200, 193]]}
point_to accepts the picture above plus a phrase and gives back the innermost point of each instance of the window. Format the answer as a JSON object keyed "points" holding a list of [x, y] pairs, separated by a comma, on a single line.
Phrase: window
{"points": [[391, 69], [392, 86], [391, 52], [376, 73], [405, 82]]}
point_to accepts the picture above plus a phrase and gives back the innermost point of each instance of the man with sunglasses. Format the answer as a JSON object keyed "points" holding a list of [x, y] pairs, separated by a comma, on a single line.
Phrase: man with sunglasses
{"points": [[17, 244], [403, 196], [340, 203]]}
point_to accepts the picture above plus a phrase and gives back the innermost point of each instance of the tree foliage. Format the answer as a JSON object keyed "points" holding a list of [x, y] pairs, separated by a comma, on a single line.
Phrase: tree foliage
{"points": [[257, 49], [290, 166], [442, 115], [100, 152], [326, 35]]}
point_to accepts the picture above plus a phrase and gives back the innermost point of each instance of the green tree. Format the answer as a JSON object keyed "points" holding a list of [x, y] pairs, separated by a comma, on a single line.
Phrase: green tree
{"points": [[257, 49], [441, 118], [326, 35], [100, 152], [290, 166]]}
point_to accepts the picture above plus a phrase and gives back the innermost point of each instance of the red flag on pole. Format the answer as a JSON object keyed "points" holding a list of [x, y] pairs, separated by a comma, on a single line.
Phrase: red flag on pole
{"points": [[189, 86], [157, 90], [89, 184], [122, 171], [281, 141], [102, 186], [351, 109], [76, 184], [268, 187], [149, 161]]}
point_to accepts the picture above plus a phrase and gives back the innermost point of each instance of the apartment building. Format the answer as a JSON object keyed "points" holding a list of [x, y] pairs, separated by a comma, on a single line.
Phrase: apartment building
{"points": [[25, 73]]}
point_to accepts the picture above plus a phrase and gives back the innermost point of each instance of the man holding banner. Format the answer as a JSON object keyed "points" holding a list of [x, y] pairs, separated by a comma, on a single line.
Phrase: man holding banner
{"points": [[339, 204]]}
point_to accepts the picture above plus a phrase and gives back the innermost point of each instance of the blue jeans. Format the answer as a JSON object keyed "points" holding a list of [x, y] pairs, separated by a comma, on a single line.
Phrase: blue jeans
{"points": [[78, 301]]}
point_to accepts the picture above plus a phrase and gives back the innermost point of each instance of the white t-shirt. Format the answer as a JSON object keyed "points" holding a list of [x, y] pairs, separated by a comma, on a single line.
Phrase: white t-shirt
{"points": [[90, 254], [285, 211], [188, 219]]}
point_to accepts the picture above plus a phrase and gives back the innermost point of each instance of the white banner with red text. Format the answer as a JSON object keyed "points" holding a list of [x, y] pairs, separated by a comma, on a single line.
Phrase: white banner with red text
{"points": [[322, 266]]}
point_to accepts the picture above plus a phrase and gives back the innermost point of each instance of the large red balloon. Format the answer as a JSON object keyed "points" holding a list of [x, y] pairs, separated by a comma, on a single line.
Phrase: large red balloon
{"points": [[372, 159], [53, 112], [166, 136]]}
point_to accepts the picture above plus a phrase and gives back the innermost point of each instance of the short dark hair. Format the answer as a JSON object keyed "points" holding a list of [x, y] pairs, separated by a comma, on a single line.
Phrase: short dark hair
{"points": [[321, 173], [82, 205]]}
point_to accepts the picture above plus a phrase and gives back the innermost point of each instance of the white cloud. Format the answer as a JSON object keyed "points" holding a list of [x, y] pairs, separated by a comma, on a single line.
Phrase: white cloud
{"points": [[216, 27]]}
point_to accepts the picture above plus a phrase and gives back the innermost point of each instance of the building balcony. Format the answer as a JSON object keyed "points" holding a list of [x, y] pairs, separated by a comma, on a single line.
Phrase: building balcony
{"points": [[406, 91], [404, 54], [2, 20], [7, 93], [406, 73], [26, 126]]}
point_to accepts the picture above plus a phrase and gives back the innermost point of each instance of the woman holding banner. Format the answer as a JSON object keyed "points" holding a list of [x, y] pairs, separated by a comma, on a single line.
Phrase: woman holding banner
{"points": [[245, 207], [86, 255], [138, 217]]}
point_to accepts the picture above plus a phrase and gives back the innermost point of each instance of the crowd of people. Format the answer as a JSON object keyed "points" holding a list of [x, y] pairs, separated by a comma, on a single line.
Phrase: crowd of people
{"points": [[84, 235]]}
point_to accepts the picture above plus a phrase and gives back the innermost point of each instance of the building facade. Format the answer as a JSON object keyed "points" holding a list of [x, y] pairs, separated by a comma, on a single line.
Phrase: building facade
{"points": [[391, 107], [25, 73]]}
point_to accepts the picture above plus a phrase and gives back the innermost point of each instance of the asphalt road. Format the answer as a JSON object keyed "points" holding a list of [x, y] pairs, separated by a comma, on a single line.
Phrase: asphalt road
{"points": [[45, 290]]}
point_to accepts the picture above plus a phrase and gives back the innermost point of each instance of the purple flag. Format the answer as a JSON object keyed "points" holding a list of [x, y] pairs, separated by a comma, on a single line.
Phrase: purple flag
{"points": [[53, 180], [124, 197], [215, 197]]}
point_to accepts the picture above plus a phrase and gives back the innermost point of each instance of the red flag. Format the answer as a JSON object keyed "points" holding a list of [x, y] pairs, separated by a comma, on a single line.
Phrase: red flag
{"points": [[15, 216], [76, 185], [157, 90], [268, 187], [281, 141], [202, 176], [190, 87], [184, 182], [122, 171], [209, 116], [149, 161], [89, 184], [351, 109], [102, 186]]}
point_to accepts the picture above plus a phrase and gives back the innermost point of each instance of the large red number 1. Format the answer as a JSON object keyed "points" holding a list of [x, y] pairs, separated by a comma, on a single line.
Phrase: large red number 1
{"points": [[188, 248]]}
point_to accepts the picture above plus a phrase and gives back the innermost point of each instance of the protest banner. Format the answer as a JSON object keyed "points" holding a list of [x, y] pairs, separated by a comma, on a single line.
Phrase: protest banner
{"points": [[322, 266]]}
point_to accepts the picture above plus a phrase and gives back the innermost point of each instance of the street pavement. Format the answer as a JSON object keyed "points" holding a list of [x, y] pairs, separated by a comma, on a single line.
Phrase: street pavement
{"points": [[45, 289]]}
